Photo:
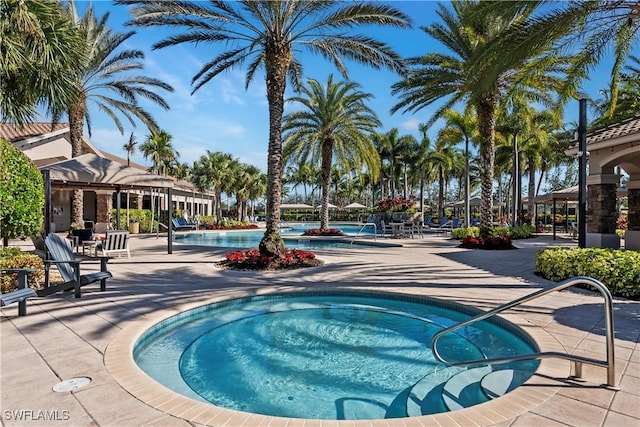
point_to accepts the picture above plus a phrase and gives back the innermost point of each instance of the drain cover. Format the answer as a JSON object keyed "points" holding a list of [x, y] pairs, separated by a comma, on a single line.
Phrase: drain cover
{"points": [[71, 384]]}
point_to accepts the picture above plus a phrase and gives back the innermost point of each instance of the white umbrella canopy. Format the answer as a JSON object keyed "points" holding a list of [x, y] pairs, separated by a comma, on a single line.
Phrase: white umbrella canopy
{"points": [[331, 206], [355, 205]]}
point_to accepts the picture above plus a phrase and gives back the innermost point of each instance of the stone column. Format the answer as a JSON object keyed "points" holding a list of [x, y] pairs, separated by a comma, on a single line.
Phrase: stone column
{"points": [[601, 211], [632, 235], [105, 204]]}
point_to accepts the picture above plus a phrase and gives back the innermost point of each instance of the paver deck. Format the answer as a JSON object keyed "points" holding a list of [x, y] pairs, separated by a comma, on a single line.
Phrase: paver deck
{"points": [[62, 337]]}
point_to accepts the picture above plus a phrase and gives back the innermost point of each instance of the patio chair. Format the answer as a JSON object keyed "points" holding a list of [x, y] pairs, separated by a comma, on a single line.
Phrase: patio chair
{"points": [[59, 249], [23, 293], [443, 221], [115, 242], [182, 224], [386, 229]]}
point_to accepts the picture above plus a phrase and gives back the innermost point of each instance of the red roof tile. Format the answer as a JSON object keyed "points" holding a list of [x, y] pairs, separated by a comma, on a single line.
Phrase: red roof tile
{"points": [[14, 133]]}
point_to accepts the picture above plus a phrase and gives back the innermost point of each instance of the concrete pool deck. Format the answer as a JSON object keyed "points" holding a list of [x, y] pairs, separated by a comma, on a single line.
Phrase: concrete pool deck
{"points": [[62, 337]]}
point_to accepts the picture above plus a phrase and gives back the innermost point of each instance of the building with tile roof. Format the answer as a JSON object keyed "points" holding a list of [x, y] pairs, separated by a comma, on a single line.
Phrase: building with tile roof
{"points": [[46, 144], [614, 146]]}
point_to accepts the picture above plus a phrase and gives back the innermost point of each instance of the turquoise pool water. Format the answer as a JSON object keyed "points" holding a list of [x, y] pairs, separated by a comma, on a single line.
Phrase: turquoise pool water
{"points": [[321, 356], [293, 237]]}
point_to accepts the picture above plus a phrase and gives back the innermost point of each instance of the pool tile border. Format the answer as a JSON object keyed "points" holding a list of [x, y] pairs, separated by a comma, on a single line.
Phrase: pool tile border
{"points": [[120, 364]]}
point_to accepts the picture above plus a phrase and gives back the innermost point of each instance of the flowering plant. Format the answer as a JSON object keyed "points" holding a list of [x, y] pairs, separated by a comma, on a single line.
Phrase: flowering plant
{"points": [[499, 242], [622, 223], [397, 204], [252, 260], [323, 232]]}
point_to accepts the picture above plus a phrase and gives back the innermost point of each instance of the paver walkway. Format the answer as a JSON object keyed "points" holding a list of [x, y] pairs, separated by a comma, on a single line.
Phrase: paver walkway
{"points": [[62, 337]]}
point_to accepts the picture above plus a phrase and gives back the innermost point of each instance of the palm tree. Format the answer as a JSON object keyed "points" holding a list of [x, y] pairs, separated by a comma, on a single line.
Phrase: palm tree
{"points": [[441, 158], [107, 69], [130, 148], [335, 122], [463, 127], [159, 149], [588, 29], [246, 177], [38, 55], [269, 34], [300, 173], [458, 77], [214, 171], [394, 147]]}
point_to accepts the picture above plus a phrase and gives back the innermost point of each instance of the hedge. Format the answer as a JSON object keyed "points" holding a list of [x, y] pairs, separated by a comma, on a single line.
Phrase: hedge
{"points": [[617, 269], [514, 233]]}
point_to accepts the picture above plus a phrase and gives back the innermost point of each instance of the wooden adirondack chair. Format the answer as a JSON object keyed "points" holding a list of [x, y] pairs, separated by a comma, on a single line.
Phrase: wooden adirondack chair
{"points": [[61, 253], [115, 242]]}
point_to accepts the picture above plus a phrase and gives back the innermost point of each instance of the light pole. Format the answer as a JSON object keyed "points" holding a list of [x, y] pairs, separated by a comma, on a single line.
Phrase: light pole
{"points": [[582, 174]]}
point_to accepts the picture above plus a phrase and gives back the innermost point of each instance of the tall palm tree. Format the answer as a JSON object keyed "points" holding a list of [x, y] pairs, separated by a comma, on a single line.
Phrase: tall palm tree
{"points": [[394, 147], [300, 173], [38, 55], [270, 34], [589, 30], [246, 177], [105, 78], [214, 171], [463, 127], [158, 148], [334, 122], [441, 158], [458, 77], [130, 148]]}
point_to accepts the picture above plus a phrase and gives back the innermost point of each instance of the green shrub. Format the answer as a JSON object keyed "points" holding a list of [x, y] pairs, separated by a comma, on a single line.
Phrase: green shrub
{"points": [[21, 194], [15, 258], [617, 269], [513, 233], [462, 232]]}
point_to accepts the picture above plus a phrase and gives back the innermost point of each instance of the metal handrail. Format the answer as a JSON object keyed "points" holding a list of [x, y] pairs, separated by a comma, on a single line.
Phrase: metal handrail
{"points": [[578, 360], [375, 231]]}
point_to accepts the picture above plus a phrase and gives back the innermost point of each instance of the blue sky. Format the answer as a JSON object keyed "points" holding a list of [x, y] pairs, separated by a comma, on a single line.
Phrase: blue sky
{"points": [[223, 116]]}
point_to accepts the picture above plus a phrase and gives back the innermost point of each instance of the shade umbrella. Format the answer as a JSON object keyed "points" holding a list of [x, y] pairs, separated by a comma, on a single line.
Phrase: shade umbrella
{"points": [[355, 205], [331, 206]]}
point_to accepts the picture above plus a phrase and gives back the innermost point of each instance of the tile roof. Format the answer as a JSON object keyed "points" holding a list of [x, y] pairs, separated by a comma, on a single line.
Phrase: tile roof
{"points": [[625, 127], [14, 133]]}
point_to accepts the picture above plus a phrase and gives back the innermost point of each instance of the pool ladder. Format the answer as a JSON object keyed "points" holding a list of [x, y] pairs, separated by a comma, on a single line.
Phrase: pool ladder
{"points": [[375, 231], [577, 360]]}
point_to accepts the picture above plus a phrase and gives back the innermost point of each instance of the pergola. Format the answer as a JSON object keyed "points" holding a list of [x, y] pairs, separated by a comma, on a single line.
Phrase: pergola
{"points": [[92, 172]]}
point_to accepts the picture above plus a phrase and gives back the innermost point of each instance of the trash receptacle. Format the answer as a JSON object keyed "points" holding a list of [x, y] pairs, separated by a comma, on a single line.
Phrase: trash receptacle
{"points": [[134, 227]]}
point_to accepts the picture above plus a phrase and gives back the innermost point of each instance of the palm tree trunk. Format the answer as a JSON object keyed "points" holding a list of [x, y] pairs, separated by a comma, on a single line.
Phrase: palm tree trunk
{"points": [[325, 177], [485, 108], [441, 191], [277, 63], [218, 206], [76, 125]]}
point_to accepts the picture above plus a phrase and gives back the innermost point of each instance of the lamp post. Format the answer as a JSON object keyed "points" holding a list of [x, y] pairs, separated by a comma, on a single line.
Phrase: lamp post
{"points": [[582, 174]]}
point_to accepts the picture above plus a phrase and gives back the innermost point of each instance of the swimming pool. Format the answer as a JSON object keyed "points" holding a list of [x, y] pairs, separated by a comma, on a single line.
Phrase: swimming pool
{"points": [[330, 355], [292, 236]]}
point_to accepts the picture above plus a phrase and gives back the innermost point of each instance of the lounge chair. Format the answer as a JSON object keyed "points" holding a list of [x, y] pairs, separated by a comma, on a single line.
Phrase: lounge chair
{"points": [[115, 242], [182, 224], [59, 249], [439, 224]]}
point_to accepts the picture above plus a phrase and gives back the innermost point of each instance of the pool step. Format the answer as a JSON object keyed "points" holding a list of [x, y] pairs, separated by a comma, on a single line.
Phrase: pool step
{"points": [[425, 397], [463, 389], [454, 388], [498, 383]]}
